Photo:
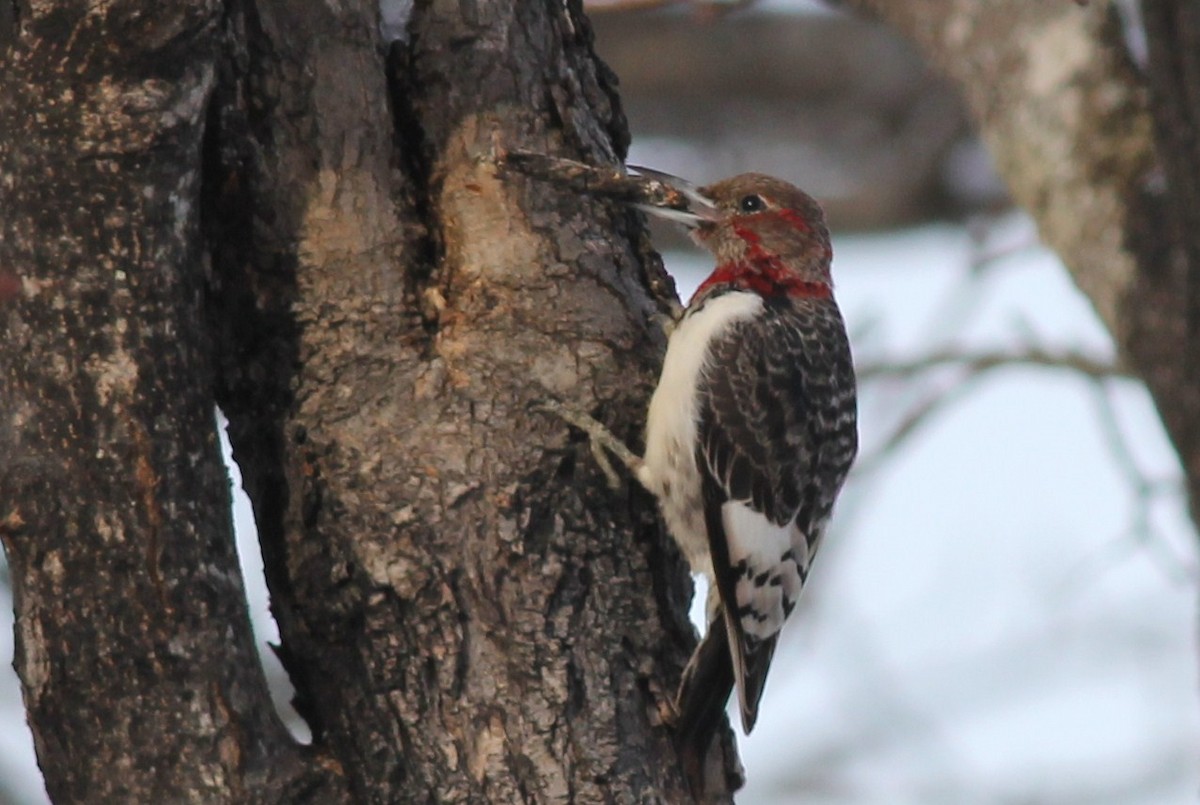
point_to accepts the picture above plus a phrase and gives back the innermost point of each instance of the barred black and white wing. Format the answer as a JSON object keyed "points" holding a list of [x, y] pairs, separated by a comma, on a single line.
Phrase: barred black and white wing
{"points": [[776, 420]]}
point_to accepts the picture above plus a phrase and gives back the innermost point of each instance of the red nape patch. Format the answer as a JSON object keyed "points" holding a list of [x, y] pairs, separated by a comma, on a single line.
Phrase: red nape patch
{"points": [[766, 277]]}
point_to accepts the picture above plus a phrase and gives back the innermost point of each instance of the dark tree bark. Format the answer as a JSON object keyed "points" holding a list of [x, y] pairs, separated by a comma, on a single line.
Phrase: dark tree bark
{"points": [[466, 613], [253, 206], [1103, 156], [135, 653]]}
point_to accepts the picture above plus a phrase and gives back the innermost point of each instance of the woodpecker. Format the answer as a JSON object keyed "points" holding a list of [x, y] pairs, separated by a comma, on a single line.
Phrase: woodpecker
{"points": [[752, 427]]}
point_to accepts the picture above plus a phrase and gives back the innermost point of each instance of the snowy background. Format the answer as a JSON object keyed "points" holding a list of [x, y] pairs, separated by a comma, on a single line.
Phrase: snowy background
{"points": [[1005, 610], [999, 615]]}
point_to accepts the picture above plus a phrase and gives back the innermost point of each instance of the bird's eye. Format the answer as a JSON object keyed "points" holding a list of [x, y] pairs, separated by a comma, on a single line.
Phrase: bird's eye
{"points": [[751, 203]]}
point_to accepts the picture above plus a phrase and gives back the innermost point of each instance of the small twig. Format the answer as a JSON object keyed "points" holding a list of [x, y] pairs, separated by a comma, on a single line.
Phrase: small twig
{"points": [[1118, 445], [908, 425], [606, 467], [986, 256], [980, 362], [969, 367], [1146, 490]]}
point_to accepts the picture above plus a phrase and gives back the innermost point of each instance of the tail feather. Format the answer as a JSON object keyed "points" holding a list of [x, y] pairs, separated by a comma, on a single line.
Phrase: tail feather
{"points": [[704, 690], [703, 693], [750, 660], [748, 657], [716, 668]]}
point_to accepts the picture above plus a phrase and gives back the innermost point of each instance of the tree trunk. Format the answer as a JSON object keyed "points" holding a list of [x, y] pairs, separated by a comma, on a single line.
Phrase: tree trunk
{"points": [[134, 649], [1112, 185], [258, 209]]}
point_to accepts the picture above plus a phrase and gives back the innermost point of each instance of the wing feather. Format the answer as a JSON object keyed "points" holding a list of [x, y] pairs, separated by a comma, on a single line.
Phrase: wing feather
{"points": [[772, 452]]}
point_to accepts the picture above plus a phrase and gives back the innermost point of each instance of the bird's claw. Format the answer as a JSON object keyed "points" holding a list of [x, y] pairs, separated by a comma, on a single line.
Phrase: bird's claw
{"points": [[601, 439], [606, 467], [668, 711], [668, 321]]}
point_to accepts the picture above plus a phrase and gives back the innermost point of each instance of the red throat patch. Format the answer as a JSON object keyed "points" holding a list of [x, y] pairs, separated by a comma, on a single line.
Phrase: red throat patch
{"points": [[766, 278], [763, 272]]}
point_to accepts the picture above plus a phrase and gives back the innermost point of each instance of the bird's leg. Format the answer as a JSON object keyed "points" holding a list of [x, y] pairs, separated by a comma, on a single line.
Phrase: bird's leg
{"points": [[601, 439], [668, 321], [606, 467]]}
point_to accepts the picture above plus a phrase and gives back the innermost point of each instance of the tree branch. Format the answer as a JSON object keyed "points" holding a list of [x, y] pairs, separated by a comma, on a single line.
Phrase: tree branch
{"points": [[1066, 117], [978, 362]]}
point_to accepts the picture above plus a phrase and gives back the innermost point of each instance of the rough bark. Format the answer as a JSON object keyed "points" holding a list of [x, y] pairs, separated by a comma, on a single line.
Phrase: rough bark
{"points": [[467, 612], [134, 649], [1111, 184], [1164, 311]]}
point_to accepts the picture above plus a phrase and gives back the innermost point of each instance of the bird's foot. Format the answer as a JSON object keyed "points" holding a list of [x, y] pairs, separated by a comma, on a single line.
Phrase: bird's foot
{"points": [[668, 711], [668, 321], [601, 438]]}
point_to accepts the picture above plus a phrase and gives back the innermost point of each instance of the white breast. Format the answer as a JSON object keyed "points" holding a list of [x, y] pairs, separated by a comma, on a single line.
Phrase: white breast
{"points": [[670, 461]]}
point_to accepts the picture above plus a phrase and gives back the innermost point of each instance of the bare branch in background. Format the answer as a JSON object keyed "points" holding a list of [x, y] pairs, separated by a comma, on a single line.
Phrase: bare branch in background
{"points": [[1145, 491], [1102, 155], [941, 376], [978, 362]]}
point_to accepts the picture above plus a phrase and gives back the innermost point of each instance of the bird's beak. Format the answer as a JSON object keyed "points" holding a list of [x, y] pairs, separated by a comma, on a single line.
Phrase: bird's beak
{"points": [[696, 209]]}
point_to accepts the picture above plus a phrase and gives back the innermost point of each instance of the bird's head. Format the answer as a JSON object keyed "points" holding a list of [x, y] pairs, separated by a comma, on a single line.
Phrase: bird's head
{"points": [[767, 235]]}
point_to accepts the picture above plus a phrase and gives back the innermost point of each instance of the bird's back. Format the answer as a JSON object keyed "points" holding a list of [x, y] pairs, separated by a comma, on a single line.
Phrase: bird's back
{"points": [[776, 436]]}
